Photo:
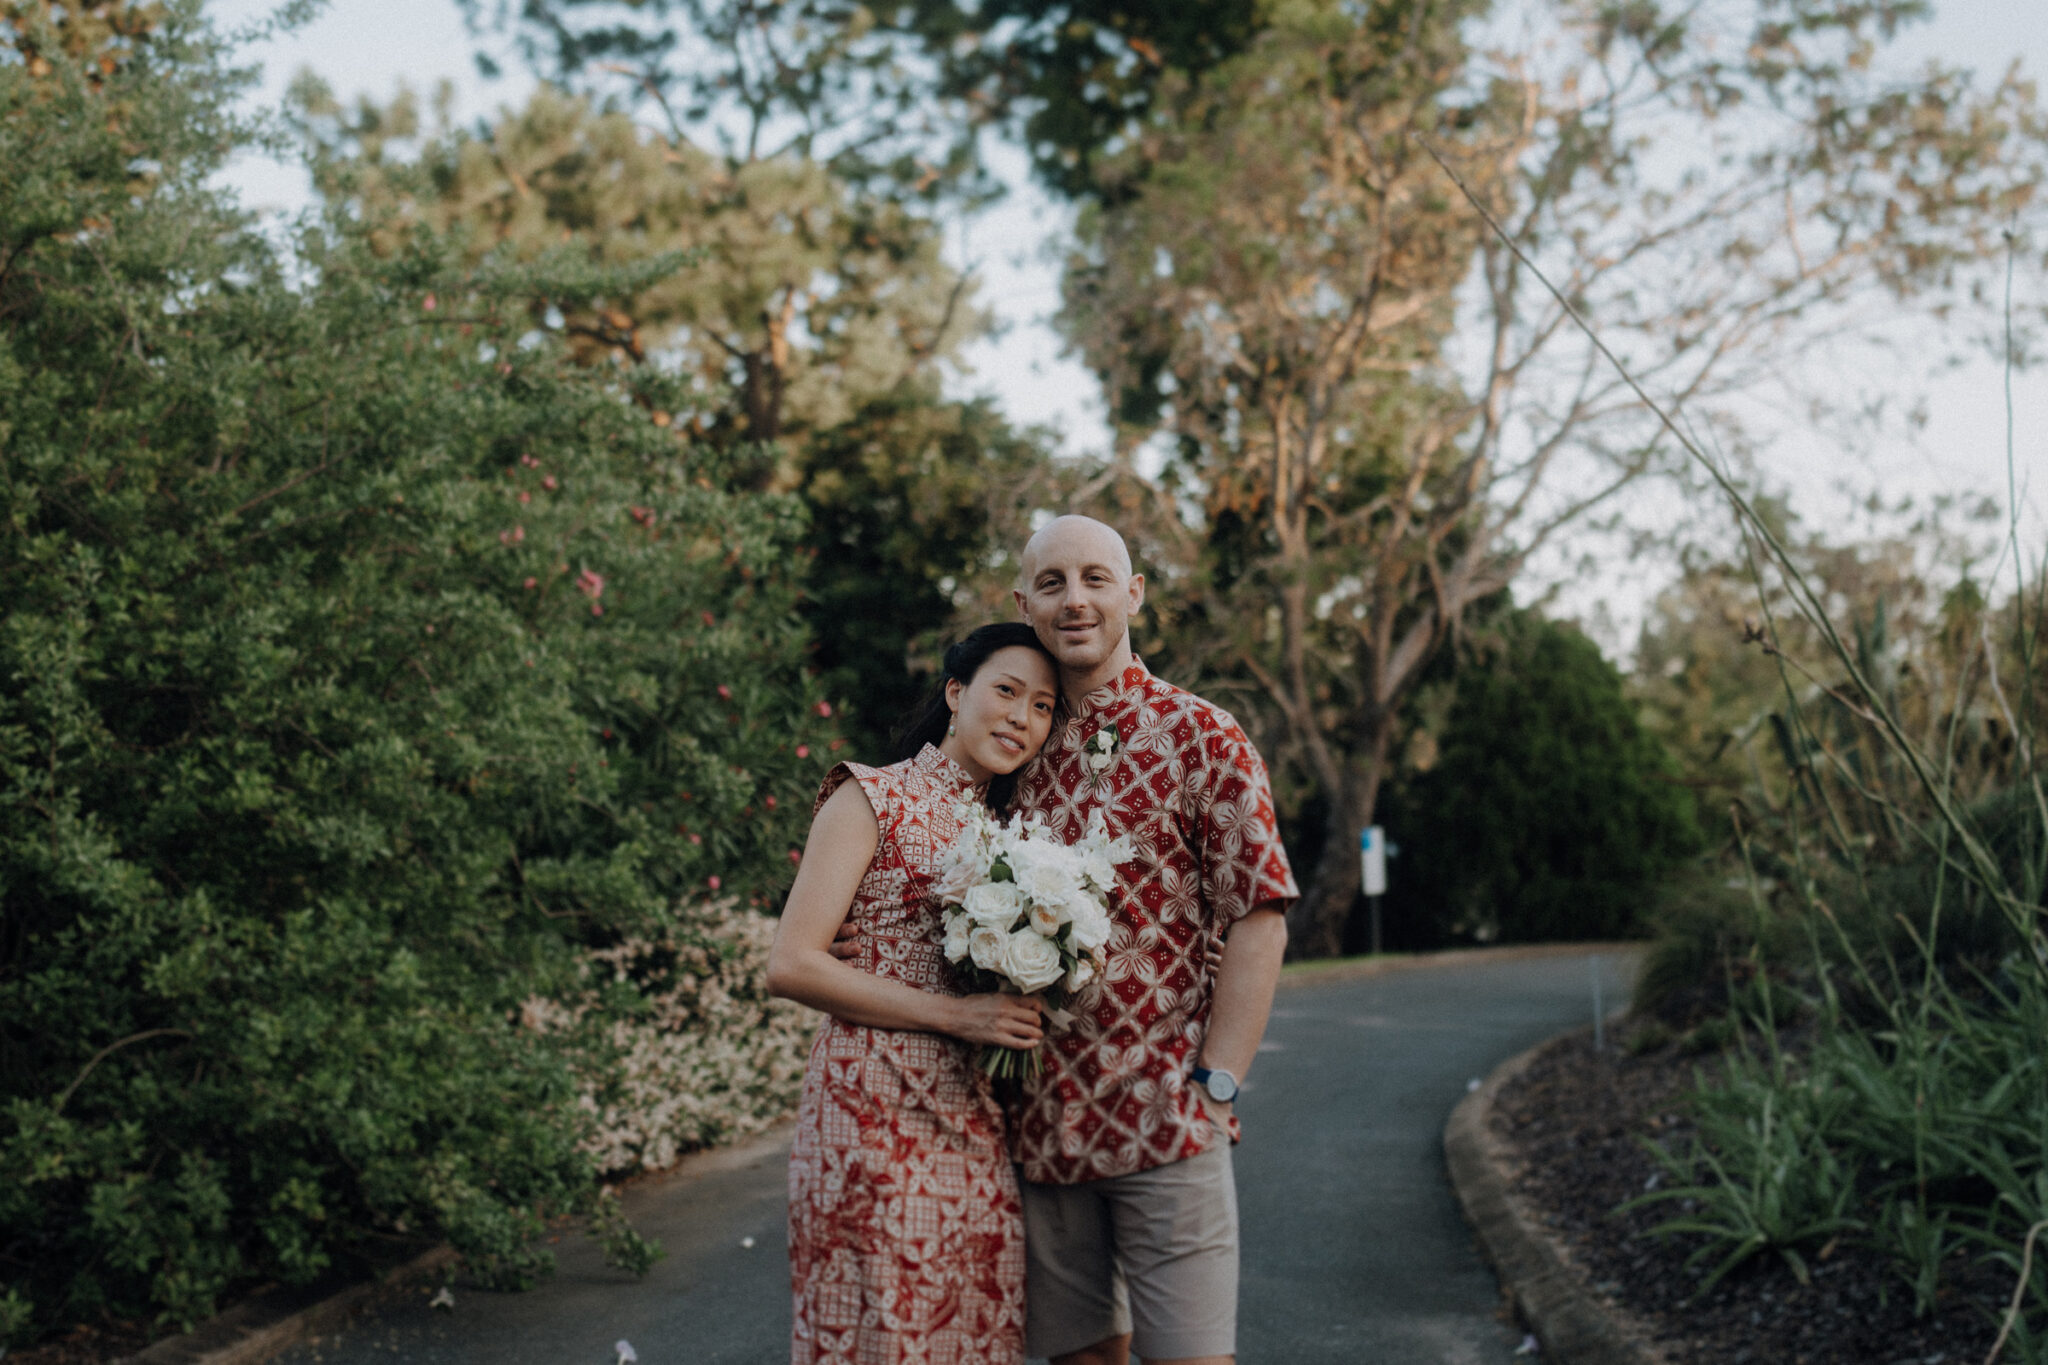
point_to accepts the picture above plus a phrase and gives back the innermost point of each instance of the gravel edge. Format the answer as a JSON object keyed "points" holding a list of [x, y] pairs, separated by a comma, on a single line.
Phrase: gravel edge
{"points": [[1575, 1326]]}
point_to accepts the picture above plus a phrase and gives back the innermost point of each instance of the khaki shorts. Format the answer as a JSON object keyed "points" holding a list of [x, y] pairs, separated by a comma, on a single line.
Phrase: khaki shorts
{"points": [[1153, 1253]]}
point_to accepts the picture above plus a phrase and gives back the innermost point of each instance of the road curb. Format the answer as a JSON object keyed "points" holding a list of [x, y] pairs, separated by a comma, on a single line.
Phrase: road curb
{"points": [[268, 1322], [1574, 1325], [274, 1320]]}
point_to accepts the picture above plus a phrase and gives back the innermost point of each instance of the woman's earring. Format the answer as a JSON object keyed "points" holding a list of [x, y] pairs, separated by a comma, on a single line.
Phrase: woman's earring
{"points": [[950, 732]]}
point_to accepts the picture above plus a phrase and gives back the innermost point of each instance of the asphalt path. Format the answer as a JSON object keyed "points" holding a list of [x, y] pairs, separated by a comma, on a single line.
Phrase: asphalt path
{"points": [[1353, 1247]]}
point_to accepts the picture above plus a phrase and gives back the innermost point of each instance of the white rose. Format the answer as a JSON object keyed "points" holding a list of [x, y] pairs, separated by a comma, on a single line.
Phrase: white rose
{"points": [[1080, 974], [964, 865], [994, 904], [1098, 760], [958, 928], [1032, 963], [1047, 919], [985, 945]]}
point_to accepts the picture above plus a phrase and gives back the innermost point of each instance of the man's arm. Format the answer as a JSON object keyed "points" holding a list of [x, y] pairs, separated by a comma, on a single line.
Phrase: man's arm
{"points": [[1252, 953]]}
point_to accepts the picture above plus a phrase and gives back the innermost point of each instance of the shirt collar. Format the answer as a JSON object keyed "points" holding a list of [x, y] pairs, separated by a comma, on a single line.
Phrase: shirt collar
{"points": [[933, 762], [1134, 676]]}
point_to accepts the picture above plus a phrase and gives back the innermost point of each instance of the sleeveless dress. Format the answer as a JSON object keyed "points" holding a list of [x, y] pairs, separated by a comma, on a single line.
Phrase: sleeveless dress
{"points": [[906, 1235]]}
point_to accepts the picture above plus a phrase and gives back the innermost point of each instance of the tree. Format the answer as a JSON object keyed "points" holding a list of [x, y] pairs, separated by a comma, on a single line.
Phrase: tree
{"points": [[807, 318], [364, 657], [1550, 812], [1272, 282]]}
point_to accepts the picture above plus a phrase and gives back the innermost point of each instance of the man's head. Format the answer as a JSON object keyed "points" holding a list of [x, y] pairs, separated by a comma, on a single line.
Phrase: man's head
{"points": [[1079, 594]]}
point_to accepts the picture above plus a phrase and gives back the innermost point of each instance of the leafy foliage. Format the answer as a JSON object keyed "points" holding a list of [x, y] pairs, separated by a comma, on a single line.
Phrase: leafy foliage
{"points": [[364, 656], [1549, 812]]}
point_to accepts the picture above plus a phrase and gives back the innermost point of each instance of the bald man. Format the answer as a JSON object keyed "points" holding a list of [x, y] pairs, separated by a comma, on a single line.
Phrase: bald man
{"points": [[1123, 1140]]}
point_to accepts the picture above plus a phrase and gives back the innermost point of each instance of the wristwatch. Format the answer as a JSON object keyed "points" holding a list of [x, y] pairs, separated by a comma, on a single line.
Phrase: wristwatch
{"points": [[1221, 1085]]}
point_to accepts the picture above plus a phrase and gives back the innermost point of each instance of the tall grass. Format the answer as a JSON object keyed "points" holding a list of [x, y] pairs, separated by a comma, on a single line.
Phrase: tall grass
{"points": [[1915, 1120]]}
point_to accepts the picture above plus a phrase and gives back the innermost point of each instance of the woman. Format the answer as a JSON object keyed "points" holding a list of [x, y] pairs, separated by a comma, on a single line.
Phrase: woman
{"points": [[906, 1237]]}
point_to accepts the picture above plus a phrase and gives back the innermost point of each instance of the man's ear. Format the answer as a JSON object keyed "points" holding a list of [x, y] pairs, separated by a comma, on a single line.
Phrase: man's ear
{"points": [[1137, 592], [1023, 604]]}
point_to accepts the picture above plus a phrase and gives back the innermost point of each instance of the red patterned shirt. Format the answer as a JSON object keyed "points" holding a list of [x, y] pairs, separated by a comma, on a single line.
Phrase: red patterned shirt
{"points": [[1188, 787]]}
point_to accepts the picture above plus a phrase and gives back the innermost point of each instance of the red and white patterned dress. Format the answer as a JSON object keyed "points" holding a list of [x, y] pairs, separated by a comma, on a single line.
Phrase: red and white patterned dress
{"points": [[1189, 788], [906, 1236]]}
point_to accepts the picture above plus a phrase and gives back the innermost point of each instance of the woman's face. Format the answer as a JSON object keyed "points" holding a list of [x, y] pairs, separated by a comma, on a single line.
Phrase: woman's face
{"points": [[1002, 714]]}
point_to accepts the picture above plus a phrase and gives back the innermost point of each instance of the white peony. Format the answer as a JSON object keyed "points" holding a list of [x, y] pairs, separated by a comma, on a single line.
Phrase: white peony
{"points": [[1080, 974], [1049, 881], [986, 945], [1098, 869], [993, 904], [958, 928], [1091, 926], [1030, 962]]}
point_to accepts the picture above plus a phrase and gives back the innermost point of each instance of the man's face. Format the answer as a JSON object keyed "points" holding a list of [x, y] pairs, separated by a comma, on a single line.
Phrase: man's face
{"points": [[1079, 593]]}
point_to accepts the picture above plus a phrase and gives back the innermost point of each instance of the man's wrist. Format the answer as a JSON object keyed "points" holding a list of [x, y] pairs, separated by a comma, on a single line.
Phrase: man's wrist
{"points": [[1218, 1083]]}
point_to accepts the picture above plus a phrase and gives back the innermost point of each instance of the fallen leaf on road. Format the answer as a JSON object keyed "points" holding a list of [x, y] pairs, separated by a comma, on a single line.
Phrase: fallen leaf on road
{"points": [[1529, 1347], [445, 1298], [747, 1243], [627, 1355]]}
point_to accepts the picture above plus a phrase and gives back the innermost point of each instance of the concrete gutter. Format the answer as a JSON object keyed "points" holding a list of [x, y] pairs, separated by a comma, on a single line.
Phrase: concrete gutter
{"points": [[1575, 1326]]}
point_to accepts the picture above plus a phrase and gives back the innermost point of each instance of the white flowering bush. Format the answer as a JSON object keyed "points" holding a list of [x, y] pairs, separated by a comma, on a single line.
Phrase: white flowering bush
{"points": [[675, 1041]]}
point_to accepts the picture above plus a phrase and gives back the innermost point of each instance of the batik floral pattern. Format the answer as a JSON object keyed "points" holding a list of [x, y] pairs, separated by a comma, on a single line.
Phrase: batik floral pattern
{"points": [[1192, 793], [906, 1238]]}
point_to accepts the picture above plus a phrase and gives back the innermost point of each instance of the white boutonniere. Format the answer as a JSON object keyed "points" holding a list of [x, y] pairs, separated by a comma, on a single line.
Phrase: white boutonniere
{"points": [[1100, 751]]}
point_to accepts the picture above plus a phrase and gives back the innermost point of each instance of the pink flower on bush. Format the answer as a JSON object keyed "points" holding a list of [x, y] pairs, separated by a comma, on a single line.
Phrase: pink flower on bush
{"points": [[513, 536], [724, 692], [532, 582], [429, 303], [709, 619], [769, 802], [590, 584], [803, 751], [825, 709], [529, 461], [713, 883], [549, 483], [525, 496], [796, 855]]}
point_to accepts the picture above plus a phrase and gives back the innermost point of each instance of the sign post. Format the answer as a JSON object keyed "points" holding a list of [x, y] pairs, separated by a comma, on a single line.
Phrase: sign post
{"points": [[1372, 870]]}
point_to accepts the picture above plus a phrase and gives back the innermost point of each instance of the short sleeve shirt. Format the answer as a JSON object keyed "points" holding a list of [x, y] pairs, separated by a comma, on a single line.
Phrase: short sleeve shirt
{"points": [[1185, 783]]}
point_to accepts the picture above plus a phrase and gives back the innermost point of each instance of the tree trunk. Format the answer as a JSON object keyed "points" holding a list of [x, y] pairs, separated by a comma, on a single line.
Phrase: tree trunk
{"points": [[1315, 924]]}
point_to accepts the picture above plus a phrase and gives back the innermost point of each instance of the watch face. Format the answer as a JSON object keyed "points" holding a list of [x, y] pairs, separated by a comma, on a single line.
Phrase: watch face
{"points": [[1222, 1087]]}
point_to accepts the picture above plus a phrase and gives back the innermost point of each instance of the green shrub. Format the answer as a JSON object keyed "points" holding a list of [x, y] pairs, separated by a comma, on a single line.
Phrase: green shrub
{"points": [[364, 663], [1550, 813]]}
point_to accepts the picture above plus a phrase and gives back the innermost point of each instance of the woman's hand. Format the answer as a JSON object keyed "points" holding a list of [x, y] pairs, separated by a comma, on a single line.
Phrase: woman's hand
{"points": [[998, 1020]]}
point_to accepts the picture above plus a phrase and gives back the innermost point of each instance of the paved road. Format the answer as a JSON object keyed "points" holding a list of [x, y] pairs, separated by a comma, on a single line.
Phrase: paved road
{"points": [[1354, 1250]]}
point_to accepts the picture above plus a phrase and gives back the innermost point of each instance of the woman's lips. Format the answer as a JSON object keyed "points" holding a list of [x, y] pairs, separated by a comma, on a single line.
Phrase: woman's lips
{"points": [[1010, 745]]}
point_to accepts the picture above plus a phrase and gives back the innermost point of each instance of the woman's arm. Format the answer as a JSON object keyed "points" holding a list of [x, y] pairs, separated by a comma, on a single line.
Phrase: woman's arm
{"points": [[801, 966]]}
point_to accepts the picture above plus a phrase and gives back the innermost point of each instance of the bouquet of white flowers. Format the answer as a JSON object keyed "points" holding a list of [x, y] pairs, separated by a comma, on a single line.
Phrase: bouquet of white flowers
{"points": [[1025, 912]]}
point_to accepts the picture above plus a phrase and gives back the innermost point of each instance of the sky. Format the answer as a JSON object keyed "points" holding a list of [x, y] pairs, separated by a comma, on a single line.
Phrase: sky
{"points": [[370, 47]]}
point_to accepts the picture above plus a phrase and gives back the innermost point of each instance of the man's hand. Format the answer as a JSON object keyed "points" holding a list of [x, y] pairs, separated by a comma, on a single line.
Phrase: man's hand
{"points": [[1217, 1110], [845, 944]]}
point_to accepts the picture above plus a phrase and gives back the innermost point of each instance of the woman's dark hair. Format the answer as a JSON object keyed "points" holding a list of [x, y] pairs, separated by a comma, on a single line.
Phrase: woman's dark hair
{"points": [[926, 724]]}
